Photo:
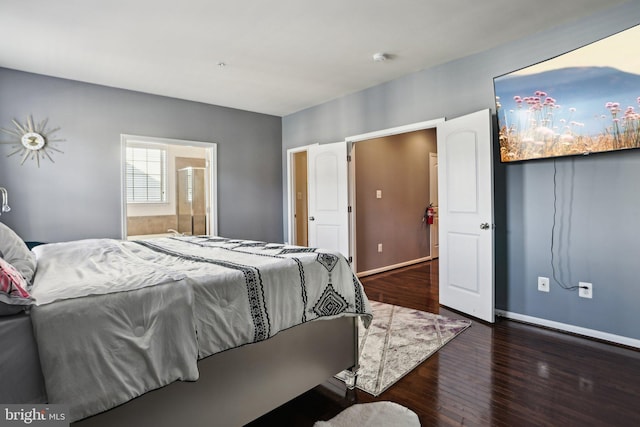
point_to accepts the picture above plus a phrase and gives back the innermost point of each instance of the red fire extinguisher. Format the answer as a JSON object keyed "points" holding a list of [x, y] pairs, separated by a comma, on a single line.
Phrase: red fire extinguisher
{"points": [[429, 214]]}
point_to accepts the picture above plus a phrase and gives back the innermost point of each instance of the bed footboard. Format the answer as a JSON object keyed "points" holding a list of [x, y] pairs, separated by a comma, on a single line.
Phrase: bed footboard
{"points": [[239, 385]]}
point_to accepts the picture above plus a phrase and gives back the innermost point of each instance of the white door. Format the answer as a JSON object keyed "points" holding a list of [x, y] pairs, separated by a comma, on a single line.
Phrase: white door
{"points": [[465, 175], [328, 197]]}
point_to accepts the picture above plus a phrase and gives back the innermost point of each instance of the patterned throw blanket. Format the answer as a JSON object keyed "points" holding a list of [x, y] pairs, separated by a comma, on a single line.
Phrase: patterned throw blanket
{"points": [[106, 341], [266, 288]]}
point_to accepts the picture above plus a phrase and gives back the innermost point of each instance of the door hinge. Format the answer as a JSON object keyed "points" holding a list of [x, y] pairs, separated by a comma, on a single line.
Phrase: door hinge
{"points": [[349, 209], [350, 259], [348, 157]]}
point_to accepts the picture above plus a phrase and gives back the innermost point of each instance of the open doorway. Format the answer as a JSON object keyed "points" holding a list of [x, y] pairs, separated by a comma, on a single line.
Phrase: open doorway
{"points": [[168, 187], [301, 200], [296, 220], [392, 197], [428, 126]]}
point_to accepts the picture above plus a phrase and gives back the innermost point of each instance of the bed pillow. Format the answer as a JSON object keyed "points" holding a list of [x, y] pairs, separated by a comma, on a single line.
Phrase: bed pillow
{"points": [[14, 296], [16, 252]]}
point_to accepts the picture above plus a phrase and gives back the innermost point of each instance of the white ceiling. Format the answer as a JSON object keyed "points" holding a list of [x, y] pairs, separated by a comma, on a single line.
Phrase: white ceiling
{"points": [[281, 56]]}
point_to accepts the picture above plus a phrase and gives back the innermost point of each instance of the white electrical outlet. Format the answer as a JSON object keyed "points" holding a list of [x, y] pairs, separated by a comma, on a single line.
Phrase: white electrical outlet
{"points": [[543, 284], [379, 247], [585, 290]]}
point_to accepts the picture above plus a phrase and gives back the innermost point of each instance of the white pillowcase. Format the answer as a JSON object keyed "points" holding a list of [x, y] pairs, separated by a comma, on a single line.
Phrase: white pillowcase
{"points": [[16, 253]]}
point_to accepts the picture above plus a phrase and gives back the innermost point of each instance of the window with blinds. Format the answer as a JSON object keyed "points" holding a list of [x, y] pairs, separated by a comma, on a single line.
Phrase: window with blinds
{"points": [[146, 175]]}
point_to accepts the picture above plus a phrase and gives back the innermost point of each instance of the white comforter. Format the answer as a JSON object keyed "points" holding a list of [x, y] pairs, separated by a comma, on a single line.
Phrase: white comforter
{"points": [[116, 319], [94, 267]]}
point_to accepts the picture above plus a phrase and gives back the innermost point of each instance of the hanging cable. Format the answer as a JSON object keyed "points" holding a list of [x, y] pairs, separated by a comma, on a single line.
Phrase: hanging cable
{"points": [[553, 231]]}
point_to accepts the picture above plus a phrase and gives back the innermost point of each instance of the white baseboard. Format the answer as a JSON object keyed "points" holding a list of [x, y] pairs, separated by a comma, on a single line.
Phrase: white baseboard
{"points": [[392, 267], [591, 333]]}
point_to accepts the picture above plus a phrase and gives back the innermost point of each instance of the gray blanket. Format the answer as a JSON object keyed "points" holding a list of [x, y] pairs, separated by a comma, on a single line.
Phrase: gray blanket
{"points": [[121, 336]]}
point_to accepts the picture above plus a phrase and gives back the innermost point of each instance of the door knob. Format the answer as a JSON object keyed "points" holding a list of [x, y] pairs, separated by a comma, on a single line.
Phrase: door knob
{"points": [[484, 226], [312, 218]]}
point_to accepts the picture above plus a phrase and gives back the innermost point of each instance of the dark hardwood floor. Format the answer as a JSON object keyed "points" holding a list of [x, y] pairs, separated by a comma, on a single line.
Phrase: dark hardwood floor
{"points": [[505, 374]]}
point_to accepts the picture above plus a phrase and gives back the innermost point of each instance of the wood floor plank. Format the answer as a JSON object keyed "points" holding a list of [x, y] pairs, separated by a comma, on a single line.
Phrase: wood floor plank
{"points": [[502, 374]]}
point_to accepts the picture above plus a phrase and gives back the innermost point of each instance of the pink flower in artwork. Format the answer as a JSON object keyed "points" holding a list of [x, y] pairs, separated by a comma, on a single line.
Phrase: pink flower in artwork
{"points": [[614, 107]]}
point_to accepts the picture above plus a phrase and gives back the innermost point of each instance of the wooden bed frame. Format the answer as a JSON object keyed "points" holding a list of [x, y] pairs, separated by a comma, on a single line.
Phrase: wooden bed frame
{"points": [[242, 384]]}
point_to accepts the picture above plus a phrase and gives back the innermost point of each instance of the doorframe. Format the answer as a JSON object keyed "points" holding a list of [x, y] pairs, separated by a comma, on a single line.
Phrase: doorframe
{"points": [[433, 189], [291, 171], [428, 124], [212, 163]]}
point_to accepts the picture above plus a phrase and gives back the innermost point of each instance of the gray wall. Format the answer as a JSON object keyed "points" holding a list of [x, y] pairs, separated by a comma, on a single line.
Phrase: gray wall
{"points": [[597, 234], [79, 196]]}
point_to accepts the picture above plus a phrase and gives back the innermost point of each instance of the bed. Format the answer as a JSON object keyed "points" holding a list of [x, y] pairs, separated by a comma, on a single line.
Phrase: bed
{"points": [[197, 330]]}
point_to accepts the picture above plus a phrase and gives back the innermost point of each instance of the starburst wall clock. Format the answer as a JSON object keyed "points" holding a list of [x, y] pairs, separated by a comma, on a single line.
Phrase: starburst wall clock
{"points": [[32, 142]]}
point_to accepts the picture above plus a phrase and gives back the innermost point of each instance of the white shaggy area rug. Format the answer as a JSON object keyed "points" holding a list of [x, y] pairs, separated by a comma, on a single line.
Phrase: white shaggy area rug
{"points": [[376, 414], [398, 340]]}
